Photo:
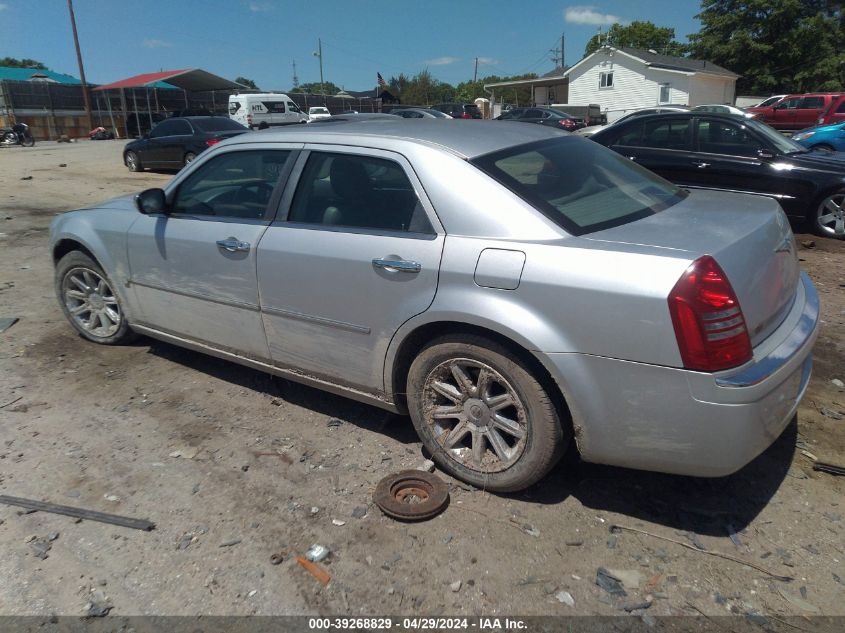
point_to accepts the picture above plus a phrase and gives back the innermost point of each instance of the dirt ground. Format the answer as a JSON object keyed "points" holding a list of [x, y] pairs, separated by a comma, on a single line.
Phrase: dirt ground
{"points": [[153, 431]]}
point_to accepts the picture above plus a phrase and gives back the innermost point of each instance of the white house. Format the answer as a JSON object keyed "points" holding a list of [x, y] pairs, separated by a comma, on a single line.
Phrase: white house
{"points": [[625, 79]]}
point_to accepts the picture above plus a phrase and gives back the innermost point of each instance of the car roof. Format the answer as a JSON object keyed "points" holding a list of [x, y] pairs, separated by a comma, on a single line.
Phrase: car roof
{"points": [[467, 139]]}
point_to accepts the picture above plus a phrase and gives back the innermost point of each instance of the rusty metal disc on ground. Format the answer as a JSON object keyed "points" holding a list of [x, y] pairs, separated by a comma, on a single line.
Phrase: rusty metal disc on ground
{"points": [[411, 495]]}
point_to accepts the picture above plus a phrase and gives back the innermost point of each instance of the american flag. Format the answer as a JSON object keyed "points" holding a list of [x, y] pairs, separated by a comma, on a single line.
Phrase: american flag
{"points": [[380, 79]]}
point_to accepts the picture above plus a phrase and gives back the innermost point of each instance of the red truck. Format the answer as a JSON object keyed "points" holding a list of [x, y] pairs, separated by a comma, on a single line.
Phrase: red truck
{"points": [[797, 112]]}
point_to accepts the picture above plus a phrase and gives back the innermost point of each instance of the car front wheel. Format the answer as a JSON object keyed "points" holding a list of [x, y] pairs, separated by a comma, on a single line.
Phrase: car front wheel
{"points": [[482, 415], [89, 302], [133, 163], [828, 218]]}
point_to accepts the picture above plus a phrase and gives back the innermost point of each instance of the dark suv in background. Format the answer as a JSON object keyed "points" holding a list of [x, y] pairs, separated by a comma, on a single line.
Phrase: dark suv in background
{"points": [[459, 110]]}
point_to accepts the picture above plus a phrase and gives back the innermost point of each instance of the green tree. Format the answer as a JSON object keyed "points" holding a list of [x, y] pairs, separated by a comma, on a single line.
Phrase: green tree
{"points": [[315, 88], [638, 34], [22, 63], [775, 45], [249, 83]]}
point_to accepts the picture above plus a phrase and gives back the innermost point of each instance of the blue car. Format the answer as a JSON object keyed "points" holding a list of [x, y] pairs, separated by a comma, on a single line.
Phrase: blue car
{"points": [[830, 137]]}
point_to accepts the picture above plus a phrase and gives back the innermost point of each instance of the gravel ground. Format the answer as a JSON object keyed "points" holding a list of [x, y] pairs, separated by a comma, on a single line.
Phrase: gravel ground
{"points": [[153, 431]]}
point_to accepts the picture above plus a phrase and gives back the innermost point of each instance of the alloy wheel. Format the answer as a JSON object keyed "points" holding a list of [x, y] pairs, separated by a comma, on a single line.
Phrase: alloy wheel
{"points": [[91, 302], [830, 216], [475, 414]]}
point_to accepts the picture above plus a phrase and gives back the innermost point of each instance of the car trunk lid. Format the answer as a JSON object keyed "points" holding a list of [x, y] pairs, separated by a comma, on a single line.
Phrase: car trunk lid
{"points": [[750, 238]]}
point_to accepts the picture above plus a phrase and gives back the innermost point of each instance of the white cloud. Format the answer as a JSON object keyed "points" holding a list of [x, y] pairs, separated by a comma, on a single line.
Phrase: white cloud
{"points": [[488, 60], [584, 14], [442, 61], [156, 44], [258, 7], [3, 6]]}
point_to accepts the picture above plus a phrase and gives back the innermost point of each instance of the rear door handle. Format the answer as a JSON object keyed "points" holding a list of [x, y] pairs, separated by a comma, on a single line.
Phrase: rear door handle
{"points": [[397, 265], [233, 245], [700, 164]]}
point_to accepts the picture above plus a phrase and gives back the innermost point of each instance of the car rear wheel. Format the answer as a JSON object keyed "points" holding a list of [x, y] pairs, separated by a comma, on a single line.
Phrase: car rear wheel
{"points": [[482, 415], [89, 302], [133, 162], [828, 218]]}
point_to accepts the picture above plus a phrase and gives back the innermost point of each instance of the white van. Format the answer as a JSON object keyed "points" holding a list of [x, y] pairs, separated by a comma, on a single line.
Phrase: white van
{"points": [[263, 109]]}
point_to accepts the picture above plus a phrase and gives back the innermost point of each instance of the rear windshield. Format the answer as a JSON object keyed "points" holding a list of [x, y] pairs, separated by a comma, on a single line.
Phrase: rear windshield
{"points": [[217, 124], [579, 184]]}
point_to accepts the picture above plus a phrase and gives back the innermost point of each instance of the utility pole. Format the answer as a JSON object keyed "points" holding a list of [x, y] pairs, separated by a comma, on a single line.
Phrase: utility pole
{"points": [[475, 74], [295, 78], [558, 55], [85, 96], [319, 55]]}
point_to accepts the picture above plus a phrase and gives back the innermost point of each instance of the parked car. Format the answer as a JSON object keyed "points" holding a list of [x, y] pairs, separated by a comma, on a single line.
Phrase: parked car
{"points": [[827, 137], [177, 141], [459, 110], [795, 112], [318, 112], [592, 129], [726, 152], [420, 113], [543, 116], [264, 109], [835, 112], [594, 301], [765, 103], [719, 108]]}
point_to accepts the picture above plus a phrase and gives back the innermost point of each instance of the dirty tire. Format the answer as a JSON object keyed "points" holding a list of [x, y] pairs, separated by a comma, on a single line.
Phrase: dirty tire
{"points": [[133, 163], [527, 455], [76, 264]]}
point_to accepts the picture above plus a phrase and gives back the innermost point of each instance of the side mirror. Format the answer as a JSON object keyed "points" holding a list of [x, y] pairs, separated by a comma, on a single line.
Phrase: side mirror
{"points": [[151, 201], [765, 153]]}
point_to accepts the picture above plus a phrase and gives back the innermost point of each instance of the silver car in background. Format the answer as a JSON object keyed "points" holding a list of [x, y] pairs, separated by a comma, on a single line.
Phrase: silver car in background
{"points": [[512, 287]]}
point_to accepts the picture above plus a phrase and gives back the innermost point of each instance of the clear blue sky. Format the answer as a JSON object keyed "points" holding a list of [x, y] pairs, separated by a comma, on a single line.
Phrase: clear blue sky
{"points": [[259, 39]]}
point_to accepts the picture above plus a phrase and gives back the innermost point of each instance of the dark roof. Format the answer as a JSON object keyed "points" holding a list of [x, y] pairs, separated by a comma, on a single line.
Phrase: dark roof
{"points": [[468, 138], [686, 64], [557, 72]]}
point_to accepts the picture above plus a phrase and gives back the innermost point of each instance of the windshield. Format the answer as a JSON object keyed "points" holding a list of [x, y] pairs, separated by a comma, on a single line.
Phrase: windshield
{"points": [[438, 114], [782, 144], [318, 111], [217, 124], [579, 184]]}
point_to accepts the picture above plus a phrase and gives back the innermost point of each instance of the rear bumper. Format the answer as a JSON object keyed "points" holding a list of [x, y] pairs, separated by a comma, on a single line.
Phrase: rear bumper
{"points": [[691, 423]]}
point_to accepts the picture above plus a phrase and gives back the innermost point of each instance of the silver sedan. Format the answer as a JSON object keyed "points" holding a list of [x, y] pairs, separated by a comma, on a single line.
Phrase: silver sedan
{"points": [[513, 288]]}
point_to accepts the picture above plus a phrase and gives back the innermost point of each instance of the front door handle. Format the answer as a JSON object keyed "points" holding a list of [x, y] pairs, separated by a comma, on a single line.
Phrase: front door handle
{"points": [[233, 245], [397, 265], [700, 164]]}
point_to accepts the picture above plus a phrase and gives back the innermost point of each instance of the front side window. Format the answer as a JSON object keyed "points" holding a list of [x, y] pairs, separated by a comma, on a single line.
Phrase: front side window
{"points": [[293, 107], [606, 80], [234, 106], [719, 137], [812, 103], [582, 186], [790, 104], [346, 190], [236, 184], [165, 128], [276, 107]]}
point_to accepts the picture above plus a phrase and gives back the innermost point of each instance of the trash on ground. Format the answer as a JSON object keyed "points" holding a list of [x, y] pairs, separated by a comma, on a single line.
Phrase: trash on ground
{"points": [[456, 586], [629, 578], [80, 513], [283, 456], [411, 495], [566, 598], [278, 557], [315, 570], [338, 522], [828, 413], [833, 469], [611, 585], [317, 553], [838, 383], [7, 322], [230, 543], [40, 547], [637, 606]]}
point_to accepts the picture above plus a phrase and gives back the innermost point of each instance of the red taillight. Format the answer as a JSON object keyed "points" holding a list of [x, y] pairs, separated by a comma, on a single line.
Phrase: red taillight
{"points": [[708, 320], [567, 122], [212, 141], [465, 115]]}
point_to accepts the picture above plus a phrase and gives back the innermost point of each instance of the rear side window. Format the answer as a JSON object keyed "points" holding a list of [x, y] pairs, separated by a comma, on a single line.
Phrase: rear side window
{"points": [[580, 185], [813, 103], [346, 190], [841, 107], [217, 124], [667, 134], [277, 107]]}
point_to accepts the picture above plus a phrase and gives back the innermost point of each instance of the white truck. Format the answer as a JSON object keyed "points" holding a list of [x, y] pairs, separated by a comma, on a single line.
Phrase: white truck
{"points": [[264, 109]]}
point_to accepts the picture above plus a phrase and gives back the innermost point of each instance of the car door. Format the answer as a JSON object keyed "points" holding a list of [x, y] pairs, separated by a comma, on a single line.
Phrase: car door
{"points": [[172, 147], [354, 254], [783, 115], [192, 270], [152, 151], [808, 112], [661, 144]]}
